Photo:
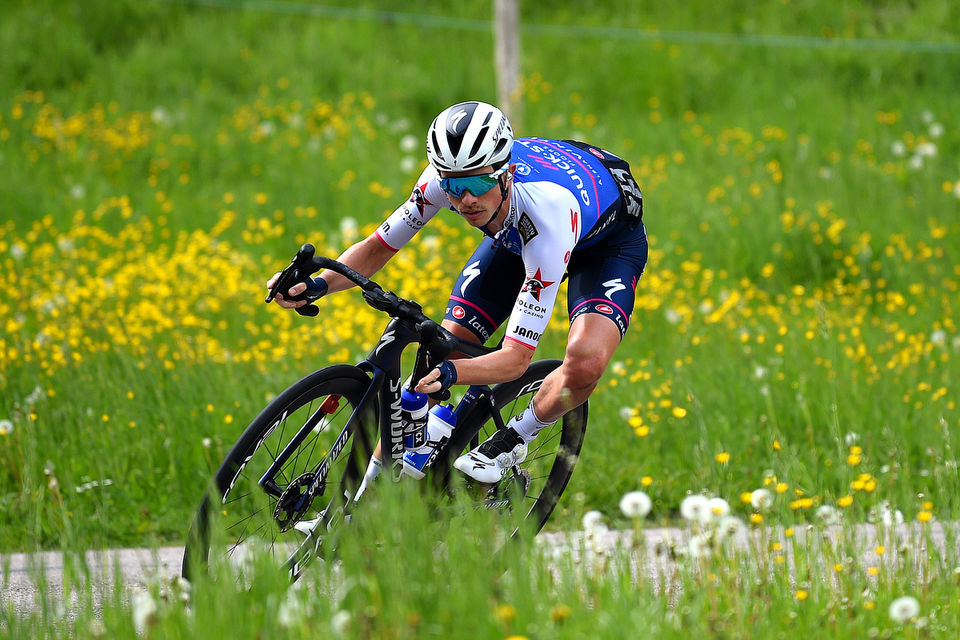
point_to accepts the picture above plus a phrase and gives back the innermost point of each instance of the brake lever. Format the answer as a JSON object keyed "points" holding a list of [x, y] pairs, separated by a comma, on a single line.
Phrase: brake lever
{"points": [[297, 271]]}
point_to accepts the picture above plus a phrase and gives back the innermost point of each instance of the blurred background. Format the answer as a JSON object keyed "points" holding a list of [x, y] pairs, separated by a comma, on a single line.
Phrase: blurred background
{"points": [[159, 160]]}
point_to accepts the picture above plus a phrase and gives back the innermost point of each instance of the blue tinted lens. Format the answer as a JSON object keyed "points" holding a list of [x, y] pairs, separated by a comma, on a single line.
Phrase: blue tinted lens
{"points": [[477, 185]]}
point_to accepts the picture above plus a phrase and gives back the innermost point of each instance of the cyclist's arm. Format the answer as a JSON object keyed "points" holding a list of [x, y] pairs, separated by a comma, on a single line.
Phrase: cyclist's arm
{"points": [[503, 365]]}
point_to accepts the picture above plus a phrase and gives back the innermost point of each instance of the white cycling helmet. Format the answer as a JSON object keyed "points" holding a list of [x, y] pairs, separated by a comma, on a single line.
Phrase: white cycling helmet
{"points": [[467, 136]]}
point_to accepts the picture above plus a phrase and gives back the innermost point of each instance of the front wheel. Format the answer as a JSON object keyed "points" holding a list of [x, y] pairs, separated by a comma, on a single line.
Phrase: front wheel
{"points": [[531, 491], [303, 441]]}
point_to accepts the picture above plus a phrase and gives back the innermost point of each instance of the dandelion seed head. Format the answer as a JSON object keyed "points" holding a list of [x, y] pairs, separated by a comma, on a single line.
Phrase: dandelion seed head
{"points": [[904, 609], [761, 499], [635, 504]]}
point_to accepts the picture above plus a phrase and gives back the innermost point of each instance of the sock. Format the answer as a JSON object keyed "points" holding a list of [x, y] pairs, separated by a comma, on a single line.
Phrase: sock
{"points": [[527, 424], [373, 470]]}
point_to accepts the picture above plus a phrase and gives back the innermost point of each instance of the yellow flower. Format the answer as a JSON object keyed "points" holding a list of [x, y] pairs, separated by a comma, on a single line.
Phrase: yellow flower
{"points": [[782, 487], [873, 571], [559, 613], [646, 481], [723, 457], [756, 518], [505, 613], [801, 594], [845, 501], [679, 412], [869, 605], [924, 516]]}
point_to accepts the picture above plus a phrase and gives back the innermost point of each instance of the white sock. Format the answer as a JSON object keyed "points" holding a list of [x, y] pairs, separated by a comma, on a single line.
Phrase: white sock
{"points": [[373, 470], [527, 424]]}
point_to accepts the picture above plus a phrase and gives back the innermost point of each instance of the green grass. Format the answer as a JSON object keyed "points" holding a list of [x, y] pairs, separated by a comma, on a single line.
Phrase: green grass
{"points": [[160, 160]]}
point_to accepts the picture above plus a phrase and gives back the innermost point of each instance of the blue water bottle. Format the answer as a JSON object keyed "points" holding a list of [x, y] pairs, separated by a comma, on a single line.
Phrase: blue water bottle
{"points": [[440, 424], [413, 408]]}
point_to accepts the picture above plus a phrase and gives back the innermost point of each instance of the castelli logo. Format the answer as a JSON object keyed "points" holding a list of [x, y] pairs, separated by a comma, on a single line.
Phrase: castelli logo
{"points": [[607, 309], [458, 312]]}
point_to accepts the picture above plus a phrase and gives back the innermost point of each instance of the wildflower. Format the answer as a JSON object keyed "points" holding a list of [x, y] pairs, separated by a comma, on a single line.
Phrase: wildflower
{"points": [[6, 427], [340, 622], [851, 438], [927, 149], [729, 527], [505, 613], [938, 338], [699, 546], [635, 504], [801, 594], [915, 162], [408, 164], [936, 130], [828, 515], [694, 508], [144, 610], [592, 521], [723, 457], [898, 148], [717, 508], [626, 413], [761, 499], [559, 613], [409, 143], [904, 609], [924, 516], [845, 501]]}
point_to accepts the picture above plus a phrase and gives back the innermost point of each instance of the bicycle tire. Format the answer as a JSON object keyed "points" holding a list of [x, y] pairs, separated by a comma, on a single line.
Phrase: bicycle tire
{"points": [[258, 447], [550, 460]]}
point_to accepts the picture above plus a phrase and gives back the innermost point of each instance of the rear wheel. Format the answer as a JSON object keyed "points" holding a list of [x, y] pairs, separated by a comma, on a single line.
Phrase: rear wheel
{"points": [[531, 491], [260, 497]]}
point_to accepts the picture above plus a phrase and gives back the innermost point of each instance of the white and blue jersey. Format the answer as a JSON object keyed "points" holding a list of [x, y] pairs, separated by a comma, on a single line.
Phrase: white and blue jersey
{"points": [[574, 207]]}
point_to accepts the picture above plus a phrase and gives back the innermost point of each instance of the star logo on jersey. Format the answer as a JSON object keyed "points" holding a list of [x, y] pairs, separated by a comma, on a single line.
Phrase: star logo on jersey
{"points": [[419, 199], [536, 284]]}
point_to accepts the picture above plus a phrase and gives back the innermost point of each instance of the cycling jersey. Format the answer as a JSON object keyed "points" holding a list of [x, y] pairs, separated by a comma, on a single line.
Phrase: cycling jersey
{"points": [[565, 202]]}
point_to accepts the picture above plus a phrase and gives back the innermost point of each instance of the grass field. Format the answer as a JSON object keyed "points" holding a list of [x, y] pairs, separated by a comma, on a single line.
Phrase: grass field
{"points": [[795, 330]]}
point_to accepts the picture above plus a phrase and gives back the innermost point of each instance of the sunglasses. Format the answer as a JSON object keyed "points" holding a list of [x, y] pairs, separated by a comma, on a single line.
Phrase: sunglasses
{"points": [[477, 185]]}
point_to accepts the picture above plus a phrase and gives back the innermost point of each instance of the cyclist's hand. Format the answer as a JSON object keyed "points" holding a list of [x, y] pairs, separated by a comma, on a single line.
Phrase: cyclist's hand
{"points": [[440, 378], [295, 290]]}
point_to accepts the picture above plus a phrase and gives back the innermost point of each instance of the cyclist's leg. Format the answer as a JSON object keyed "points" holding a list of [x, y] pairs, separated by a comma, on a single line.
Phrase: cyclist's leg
{"points": [[601, 296]]}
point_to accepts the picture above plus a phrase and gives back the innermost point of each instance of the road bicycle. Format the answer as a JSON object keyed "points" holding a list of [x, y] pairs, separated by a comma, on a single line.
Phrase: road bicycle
{"points": [[292, 477]]}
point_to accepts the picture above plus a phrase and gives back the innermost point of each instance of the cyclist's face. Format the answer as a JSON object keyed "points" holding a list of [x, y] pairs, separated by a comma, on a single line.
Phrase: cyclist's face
{"points": [[477, 210]]}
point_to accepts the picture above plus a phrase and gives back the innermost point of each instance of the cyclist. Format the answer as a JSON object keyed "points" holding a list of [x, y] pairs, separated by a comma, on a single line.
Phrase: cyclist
{"points": [[546, 208]]}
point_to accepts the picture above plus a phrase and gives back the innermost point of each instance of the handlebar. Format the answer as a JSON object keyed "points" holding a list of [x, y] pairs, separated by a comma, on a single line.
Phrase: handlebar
{"points": [[438, 341]]}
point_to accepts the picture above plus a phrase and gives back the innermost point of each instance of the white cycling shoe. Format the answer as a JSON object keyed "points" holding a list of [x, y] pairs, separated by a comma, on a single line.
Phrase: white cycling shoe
{"points": [[490, 462]]}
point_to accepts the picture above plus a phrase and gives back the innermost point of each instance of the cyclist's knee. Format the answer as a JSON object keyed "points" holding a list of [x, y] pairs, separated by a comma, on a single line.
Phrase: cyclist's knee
{"points": [[582, 370]]}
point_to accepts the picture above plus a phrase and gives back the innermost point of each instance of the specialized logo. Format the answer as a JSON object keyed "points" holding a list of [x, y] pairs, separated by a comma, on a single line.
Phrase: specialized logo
{"points": [[613, 286], [605, 308], [458, 312], [536, 284], [387, 338], [456, 118], [528, 230], [469, 274], [419, 199]]}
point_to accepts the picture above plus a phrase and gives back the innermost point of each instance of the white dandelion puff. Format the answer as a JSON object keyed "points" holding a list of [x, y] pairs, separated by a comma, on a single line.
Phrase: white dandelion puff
{"points": [[340, 622], [936, 130], [851, 438], [408, 164], [729, 527], [144, 610], [409, 143], [635, 504], [828, 514], [898, 148], [915, 162], [626, 413], [693, 508], [904, 609], [938, 338], [6, 427], [927, 116], [699, 545], [592, 520], [761, 499], [927, 149]]}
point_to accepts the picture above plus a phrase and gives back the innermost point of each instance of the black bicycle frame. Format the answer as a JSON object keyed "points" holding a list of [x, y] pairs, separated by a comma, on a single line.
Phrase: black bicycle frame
{"points": [[383, 364]]}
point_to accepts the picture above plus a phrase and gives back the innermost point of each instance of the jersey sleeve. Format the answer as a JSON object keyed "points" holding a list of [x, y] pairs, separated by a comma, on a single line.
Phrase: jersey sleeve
{"points": [[548, 240], [426, 199]]}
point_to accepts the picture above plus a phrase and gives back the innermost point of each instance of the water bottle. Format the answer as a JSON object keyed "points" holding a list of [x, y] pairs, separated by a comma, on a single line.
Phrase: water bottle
{"points": [[413, 408], [440, 424]]}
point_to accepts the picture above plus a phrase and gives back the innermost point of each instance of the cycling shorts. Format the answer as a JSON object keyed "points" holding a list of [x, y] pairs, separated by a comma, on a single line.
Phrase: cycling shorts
{"points": [[602, 280]]}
